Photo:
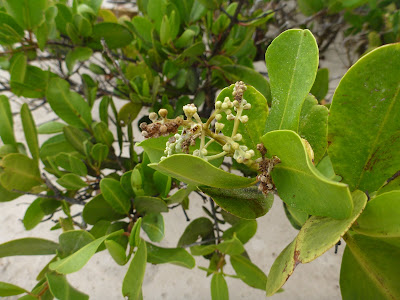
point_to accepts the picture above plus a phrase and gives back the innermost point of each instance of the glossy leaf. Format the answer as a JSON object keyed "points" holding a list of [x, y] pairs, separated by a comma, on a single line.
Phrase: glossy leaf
{"points": [[246, 203], [363, 130], [6, 121], [175, 256], [219, 288], [19, 172], [292, 63], [71, 164], [28, 14], [162, 183], [253, 129], [114, 194], [61, 289], [33, 215], [76, 138], [68, 105], [381, 216], [8, 289], [71, 182], [200, 227], [299, 183], [78, 259], [132, 284], [153, 225], [154, 147], [321, 84], [128, 113], [116, 251], [249, 272], [370, 269], [197, 171], [30, 132], [28, 246], [134, 237], [73, 240], [147, 204]]}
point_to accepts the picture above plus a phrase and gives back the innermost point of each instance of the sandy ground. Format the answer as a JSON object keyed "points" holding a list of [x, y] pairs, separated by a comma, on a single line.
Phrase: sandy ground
{"points": [[102, 278]]}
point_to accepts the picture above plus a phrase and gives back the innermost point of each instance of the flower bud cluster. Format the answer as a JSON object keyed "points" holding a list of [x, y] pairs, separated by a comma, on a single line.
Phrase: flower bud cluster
{"points": [[265, 168], [160, 127]]}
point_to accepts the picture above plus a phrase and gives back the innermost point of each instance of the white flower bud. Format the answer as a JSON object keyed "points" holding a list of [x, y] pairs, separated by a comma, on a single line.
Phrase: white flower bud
{"points": [[235, 146], [247, 155], [163, 113], [218, 117], [240, 159], [227, 100], [247, 106], [196, 152], [236, 103], [218, 104], [244, 102], [227, 111], [226, 147], [204, 151], [244, 148], [145, 133], [238, 137], [219, 126], [225, 105], [153, 116], [244, 119], [162, 158], [252, 153], [230, 117]]}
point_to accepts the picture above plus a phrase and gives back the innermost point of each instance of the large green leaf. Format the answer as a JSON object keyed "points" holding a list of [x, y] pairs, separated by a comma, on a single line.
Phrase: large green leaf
{"points": [[30, 131], [253, 129], [132, 284], [292, 63], [115, 195], [246, 203], [249, 272], [219, 288], [313, 126], [370, 269], [10, 31], [195, 170], [28, 246], [299, 183], [28, 14], [71, 182], [8, 289], [68, 105], [153, 225], [176, 256], [147, 204], [78, 259], [61, 289], [19, 172], [73, 240], [6, 195], [114, 34], [381, 216], [317, 235], [117, 252], [200, 227], [6, 121], [363, 126]]}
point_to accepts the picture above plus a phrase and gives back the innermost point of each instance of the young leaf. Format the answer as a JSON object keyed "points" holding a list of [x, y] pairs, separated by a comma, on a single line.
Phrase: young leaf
{"points": [[134, 237], [292, 63], [299, 183], [61, 289], [50, 127], [232, 246], [8, 289], [33, 215], [153, 225], [219, 288], [28, 246], [6, 122], [175, 256], [132, 284], [321, 84], [246, 203], [114, 194], [98, 209], [363, 130], [197, 171], [200, 227], [147, 204], [249, 272], [116, 251], [71, 182]]}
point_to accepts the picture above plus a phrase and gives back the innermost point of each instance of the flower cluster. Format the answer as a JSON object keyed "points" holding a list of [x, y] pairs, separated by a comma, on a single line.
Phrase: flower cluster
{"points": [[160, 126], [265, 166]]}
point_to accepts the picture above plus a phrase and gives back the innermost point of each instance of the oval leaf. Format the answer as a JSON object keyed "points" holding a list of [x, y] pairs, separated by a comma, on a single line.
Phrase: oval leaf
{"points": [[219, 288], [115, 195], [175, 256], [249, 272], [8, 289], [61, 289], [28, 246]]}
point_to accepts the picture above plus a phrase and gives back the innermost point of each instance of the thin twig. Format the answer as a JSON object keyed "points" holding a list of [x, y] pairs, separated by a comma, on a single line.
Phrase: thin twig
{"points": [[215, 219]]}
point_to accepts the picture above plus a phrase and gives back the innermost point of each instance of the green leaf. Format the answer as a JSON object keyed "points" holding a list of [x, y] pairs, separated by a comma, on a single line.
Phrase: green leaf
{"points": [[28, 246], [153, 225], [10, 31], [78, 54], [243, 229], [128, 113], [162, 183], [249, 272], [115, 195], [143, 28], [132, 284], [296, 217], [99, 152], [200, 227], [102, 133], [326, 168], [195, 170], [99, 209], [73, 240], [321, 84], [71, 164], [76, 138], [61, 289], [68, 105], [154, 147], [175, 256], [150, 205], [180, 195], [253, 129], [114, 34], [370, 269], [6, 195], [316, 236], [116, 251], [313, 126], [219, 288], [201, 250], [299, 183], [292, 63], [134, 237], [165, 30], [33, 215], [71, 182], [6, 122], [363, 131], [19, 172], [185, 40], [246, 203], [77, 260], [310, 7], [232, 246], [30, 132], [381, 216], [26, 80], [28, 14], [8, 289]]}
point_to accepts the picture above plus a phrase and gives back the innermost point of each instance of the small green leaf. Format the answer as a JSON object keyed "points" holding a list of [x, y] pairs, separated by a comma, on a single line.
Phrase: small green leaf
{"points": [[292, 63], [134, 237], [102, 134], [249, 272], [299, 183], [71, 164], [143, 28], [78, 54], [99, 152], [246, 203], [115, 195], [162, 183], [33, 215], [219, 288], [132, 284], [28, 246], [148, 205], [154, 147], [71, 182], [321, 84], [8, 289], [296, 217], [244, 230], [200, 227], [99, 209], [185, 40], [77, 260], [6, 122], [165, 31], [50, 127], [76, 138], [175, 256], [201, 250], [232, 246], [197, 171], [116, 251], [114, 34], [61, 289], [153, 225], [180, 195], [128, 113]]}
